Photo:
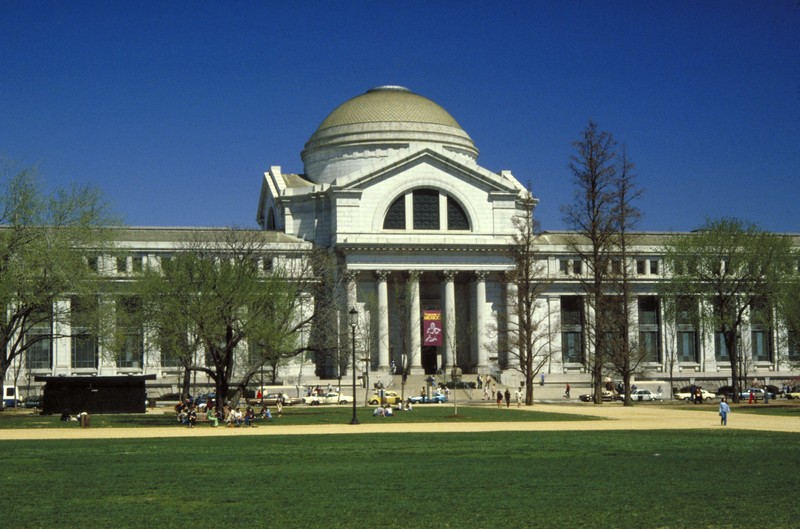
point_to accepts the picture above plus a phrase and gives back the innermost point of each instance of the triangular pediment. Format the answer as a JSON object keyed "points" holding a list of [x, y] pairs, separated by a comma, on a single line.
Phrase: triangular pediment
{"points": [[448, 162]]}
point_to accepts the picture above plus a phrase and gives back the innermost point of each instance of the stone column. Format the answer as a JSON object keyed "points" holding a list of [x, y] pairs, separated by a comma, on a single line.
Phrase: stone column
{"points": [[449, 349], [414, 328], [512, 320], [352, 303], [480, 322], [383, 320]]}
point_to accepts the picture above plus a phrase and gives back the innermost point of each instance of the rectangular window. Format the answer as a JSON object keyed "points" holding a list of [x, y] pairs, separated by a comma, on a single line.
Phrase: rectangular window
{"points": [[648, 310], [572, 347], [649, 331], [563, 266], [131, 352], [137, 263], [760, 325], [640, 267], [426, 209], [720, 348], [794, 345], [572, 329], [173, 345], [687, 346], [686, 320], [84, 344], [761, 346], [577, 267], [39, 354], [648, 341], [654, 267], [122, 265]]}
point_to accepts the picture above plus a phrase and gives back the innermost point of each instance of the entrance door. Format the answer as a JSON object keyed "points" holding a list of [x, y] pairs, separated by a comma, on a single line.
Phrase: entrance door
{"points": [[429, 360]]}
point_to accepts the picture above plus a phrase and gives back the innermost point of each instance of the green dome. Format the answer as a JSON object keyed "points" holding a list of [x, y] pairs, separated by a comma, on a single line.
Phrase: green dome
{"points": [[374, 125], [388, 104]]}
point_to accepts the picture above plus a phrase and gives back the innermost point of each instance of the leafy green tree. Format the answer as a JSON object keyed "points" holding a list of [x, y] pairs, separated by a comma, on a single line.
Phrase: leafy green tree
{"points": [[227, 305], [50, 245], [734, 268]]}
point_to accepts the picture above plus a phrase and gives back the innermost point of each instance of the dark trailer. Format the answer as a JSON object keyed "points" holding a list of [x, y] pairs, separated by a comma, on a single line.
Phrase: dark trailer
{"points": [[94, 394]]}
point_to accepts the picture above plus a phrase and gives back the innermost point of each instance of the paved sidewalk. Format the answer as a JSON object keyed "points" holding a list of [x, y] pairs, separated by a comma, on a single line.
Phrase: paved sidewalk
{"points": [[616, 417]]}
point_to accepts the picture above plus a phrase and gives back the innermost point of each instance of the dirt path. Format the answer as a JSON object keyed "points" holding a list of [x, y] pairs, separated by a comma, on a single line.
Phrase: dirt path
{"points": [[616, 418]]}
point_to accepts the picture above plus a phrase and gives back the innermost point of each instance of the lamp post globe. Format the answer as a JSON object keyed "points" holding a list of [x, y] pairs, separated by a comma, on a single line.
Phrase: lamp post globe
{"points": [[353, 323]]}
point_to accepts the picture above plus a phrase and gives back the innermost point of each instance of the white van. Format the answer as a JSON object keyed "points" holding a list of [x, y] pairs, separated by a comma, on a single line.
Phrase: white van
{"points": [[10, 397]]}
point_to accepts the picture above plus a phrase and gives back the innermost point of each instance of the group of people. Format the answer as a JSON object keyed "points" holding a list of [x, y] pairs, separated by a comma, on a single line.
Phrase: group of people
{"points": [[387, 410], [233, 417], [507, 397]]}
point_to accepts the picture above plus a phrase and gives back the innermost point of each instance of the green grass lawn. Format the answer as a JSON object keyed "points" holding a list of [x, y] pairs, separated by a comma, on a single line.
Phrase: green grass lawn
{"points": [[295, 415], [652, 479]]}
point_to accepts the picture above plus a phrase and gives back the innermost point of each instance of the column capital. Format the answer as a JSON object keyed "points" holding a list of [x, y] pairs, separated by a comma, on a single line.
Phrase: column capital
{"points": [[480, 275], [449, 275], [413, 275], [350, 275], [382, 275]]}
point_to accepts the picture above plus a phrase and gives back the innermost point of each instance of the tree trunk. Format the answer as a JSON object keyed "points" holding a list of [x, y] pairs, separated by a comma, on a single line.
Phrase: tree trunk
{"points": [[733, 355]]}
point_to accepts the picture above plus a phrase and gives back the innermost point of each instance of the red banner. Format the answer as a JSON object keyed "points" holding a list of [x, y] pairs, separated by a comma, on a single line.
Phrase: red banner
{"points": [[432, 327]]}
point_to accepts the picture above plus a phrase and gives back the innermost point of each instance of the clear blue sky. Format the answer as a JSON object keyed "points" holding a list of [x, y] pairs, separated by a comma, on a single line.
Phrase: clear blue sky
{"points": [[175, 109]]}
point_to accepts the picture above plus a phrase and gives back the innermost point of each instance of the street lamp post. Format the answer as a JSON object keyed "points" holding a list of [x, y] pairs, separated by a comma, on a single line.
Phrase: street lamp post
{"points": [[353, 324]]}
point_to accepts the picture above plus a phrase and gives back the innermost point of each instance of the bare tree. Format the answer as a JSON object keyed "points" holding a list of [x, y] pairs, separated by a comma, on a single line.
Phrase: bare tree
{"points": [[624, 351], [593, 216], [526, 326]]}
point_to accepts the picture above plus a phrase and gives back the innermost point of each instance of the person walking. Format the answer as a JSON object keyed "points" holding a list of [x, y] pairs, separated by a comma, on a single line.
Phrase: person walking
{"points": [[499, 399], [508, 398], [566, 392], [518, 395], [724, 410]]}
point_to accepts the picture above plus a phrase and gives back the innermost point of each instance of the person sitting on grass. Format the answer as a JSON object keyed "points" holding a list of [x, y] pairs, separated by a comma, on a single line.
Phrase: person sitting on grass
{"points": [[379, 412], [249, 417], [212, 417], [229, 417], [388, 412], [265, 413]]}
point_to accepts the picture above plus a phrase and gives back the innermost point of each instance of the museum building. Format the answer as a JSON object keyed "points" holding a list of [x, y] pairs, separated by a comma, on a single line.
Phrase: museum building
{"points": [[391, 185]]}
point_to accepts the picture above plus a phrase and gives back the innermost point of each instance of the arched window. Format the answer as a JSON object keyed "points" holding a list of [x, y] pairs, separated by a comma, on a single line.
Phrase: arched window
{"points": [[396, 216], [456, 216], [426, 212]]}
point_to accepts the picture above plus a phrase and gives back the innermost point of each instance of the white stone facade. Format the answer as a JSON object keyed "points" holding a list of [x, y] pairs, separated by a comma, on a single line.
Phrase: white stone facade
{"points": [[393, 187]]}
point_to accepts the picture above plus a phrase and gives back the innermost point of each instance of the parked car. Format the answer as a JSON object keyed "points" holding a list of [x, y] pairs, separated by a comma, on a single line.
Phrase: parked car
{"points": [[271, 399], [327, 398], [685, 394], [758, 394], [436, 398], [793, 394], [201, 401], [725, 391], [608, 396], [643, 394], [32, 401], [389, 397]]}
